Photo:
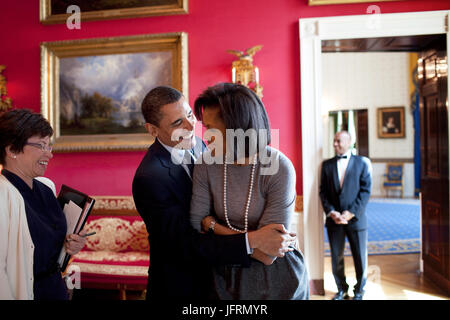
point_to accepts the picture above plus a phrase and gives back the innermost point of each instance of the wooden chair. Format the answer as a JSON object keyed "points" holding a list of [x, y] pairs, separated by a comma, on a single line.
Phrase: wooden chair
{"points": [[393, 178]]}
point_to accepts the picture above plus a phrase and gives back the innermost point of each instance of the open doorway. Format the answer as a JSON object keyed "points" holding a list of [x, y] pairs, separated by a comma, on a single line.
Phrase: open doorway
{"points": [[368, 84], [312, 32]]}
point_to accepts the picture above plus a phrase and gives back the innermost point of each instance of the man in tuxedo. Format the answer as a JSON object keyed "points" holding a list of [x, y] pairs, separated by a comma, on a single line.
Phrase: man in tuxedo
{"points": [[180, 257], [345, 186]]}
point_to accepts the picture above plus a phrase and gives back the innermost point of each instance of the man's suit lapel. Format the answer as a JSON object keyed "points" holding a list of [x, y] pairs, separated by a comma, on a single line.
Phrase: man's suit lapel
{"points": [[336, 183], [351, 163], [181, 183]]}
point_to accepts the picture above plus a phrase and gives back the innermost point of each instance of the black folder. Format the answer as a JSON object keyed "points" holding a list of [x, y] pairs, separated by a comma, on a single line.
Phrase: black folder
{"points": [[86, 203]]}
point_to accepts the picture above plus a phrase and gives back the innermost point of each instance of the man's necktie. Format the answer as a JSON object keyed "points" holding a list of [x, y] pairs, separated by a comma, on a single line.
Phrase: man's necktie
{"points": [[341, 157], [191, 162]]}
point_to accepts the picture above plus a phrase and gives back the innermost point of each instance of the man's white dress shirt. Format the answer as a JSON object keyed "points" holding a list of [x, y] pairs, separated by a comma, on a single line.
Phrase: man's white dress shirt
{"points": [[342, 165]]}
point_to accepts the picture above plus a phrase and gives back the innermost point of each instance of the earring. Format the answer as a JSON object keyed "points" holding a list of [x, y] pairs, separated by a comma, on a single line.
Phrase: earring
{"points": [[14, 157]]}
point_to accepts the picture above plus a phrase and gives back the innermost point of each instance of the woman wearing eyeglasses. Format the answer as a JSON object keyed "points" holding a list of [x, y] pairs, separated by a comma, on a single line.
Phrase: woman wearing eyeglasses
{"points": [[32, 225]]}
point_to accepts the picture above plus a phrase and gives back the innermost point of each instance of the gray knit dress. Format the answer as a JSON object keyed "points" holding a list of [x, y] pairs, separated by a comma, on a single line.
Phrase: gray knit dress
{"points": [[273, 201]]}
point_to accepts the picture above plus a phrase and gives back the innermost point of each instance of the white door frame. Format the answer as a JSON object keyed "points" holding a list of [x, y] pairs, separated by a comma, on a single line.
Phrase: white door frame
{"points": [[312, 32]]}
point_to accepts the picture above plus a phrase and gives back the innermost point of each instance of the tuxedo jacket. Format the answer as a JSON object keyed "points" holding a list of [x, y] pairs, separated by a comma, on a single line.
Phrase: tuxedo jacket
{"points": [[180, 257], [354, 194]]}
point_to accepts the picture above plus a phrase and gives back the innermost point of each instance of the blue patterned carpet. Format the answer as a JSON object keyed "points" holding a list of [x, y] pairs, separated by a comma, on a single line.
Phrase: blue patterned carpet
{"points": [[394, 227]]}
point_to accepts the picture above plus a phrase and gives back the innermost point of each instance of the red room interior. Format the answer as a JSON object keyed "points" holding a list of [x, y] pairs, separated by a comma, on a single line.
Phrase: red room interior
{"points": [[212, 28]]}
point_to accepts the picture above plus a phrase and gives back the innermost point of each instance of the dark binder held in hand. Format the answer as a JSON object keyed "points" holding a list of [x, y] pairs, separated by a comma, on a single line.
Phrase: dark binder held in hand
{"points": [[77, 207]]}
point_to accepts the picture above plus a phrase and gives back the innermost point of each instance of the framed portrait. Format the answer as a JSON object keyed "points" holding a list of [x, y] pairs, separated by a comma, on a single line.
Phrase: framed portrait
{"points": [[55, 11], [391, 122], [322, 2], [92, 89]]}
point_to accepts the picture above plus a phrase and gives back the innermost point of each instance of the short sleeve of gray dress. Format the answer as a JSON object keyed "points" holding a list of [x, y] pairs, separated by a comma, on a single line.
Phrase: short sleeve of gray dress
{"points": [[201, 202]]}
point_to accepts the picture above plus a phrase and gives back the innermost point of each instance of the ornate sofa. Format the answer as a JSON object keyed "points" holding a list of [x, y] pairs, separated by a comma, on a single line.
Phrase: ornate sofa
{"points": [[117, 256]]}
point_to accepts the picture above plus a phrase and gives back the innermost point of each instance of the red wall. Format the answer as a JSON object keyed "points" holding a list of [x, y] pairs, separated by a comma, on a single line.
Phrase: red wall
{"points": [[213, 26]]}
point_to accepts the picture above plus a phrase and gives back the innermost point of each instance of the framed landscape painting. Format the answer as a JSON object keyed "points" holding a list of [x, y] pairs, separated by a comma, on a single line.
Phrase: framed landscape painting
{"points": [[55, 11], [391, 122], [92, 89]]}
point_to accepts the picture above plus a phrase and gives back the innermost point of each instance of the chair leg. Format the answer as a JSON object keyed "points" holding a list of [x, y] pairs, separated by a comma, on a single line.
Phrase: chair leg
{"points": [[123, 294]]}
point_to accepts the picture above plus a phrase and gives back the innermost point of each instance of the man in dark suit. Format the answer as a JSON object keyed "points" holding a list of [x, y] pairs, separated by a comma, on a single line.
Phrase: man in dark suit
{"points": [[180, 257], [345, 186]]}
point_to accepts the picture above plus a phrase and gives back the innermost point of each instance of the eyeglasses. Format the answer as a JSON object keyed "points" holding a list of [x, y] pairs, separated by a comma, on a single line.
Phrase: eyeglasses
{"points": [[43, 147]]}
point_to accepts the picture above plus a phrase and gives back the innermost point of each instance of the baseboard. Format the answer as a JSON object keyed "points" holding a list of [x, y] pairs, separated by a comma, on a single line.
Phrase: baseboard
{"points": [[316, 287], [437, 279], [299, 203]]}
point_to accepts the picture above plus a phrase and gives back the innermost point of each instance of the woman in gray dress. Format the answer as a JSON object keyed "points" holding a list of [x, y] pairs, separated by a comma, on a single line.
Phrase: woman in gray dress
{"points": [[253, 187]]}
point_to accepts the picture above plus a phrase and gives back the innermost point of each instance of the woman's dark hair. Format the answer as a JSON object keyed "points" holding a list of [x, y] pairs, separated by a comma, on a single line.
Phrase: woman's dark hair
{"points": [[17, 126], [155, 100], [240, 108]]}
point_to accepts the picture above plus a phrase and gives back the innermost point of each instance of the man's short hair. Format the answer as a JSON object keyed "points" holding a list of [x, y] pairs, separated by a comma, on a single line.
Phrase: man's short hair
{"points": [[346, 133], [155, 100]]}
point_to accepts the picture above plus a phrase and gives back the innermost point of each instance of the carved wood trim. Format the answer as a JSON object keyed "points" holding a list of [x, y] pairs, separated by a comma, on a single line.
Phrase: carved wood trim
{"points": [[299, 203], [124, 205], [114, 205]]}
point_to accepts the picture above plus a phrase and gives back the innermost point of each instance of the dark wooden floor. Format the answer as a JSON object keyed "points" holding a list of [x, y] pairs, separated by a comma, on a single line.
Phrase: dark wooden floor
{"points": [[390, 277]]}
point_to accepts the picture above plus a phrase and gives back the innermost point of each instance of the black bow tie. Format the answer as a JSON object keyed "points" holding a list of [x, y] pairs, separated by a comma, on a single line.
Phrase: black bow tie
{"points": [[341, 157]]}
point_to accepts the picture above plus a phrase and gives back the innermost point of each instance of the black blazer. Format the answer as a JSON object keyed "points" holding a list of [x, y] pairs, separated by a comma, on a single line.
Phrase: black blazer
{"points": [[355, 192], [180, 257]]}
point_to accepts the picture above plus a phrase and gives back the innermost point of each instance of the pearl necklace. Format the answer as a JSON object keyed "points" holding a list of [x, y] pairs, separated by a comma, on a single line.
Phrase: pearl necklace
{"points": [[249, 197]]}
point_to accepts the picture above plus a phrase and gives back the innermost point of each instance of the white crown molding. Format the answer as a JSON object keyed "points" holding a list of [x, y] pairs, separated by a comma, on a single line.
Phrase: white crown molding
{"points": [[375, 25]]}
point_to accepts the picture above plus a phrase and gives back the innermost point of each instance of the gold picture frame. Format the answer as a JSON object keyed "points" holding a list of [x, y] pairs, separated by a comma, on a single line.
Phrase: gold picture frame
{"points": [[324, 2], [46, 16], [391, 122], [141, 52]]}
